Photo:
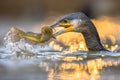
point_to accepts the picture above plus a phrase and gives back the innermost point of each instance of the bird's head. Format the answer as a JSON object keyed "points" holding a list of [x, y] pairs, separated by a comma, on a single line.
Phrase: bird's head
{"points": [[75, 22]]}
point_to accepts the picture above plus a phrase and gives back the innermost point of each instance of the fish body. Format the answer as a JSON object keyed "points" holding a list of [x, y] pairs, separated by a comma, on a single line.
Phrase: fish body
{"points": [[45, 35]]}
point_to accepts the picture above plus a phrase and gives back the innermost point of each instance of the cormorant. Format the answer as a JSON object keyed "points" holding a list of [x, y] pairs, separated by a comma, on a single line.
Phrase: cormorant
{"points": [[79, 22]]}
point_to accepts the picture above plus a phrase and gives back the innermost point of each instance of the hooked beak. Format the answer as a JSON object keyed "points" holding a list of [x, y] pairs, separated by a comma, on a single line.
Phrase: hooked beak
{"points": [[66, 28]]}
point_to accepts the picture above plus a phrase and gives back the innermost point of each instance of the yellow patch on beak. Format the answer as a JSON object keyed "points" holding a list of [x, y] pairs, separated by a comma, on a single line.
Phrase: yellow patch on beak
{"points": [[69, 29], [66, 25]]}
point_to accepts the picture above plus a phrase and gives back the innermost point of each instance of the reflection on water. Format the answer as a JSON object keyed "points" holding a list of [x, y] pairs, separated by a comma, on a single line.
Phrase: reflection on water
{"points": [[88, 70], [60, 68]]}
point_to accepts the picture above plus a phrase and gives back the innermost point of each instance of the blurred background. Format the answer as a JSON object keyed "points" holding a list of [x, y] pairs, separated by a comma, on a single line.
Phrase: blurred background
{"points": [[30, 15]]}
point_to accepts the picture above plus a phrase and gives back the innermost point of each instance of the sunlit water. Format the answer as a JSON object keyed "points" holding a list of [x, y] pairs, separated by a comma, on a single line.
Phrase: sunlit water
{"points": [[22, 61]]}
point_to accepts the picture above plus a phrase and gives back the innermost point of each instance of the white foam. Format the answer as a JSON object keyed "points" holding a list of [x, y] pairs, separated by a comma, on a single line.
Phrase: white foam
{"points": [[22, 45]]}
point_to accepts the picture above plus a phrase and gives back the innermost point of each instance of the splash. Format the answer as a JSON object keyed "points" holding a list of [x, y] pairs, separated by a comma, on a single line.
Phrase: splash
{"points": [[14, 44]]}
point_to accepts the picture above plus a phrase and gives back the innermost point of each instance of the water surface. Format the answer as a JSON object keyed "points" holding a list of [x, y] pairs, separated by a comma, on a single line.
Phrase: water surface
{"points": [[59, 66], [23, 61]]}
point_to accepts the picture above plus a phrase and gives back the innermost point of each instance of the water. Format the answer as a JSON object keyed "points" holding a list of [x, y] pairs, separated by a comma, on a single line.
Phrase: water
{"points": [[23, 61], [59, 66]]}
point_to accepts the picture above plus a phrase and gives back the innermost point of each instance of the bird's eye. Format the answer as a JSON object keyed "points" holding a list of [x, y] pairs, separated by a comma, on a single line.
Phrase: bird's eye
{"points": [[65, 21]]}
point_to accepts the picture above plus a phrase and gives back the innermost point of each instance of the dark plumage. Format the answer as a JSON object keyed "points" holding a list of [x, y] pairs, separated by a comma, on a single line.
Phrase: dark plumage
{"points": [[79, 22]]}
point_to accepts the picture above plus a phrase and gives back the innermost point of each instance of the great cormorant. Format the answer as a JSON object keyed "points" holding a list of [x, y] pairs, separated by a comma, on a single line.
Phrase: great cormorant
{"points": [[79, 22]]}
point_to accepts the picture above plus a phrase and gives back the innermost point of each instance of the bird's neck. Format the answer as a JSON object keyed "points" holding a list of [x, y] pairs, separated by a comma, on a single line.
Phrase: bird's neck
{"points": [[92, 40]]}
